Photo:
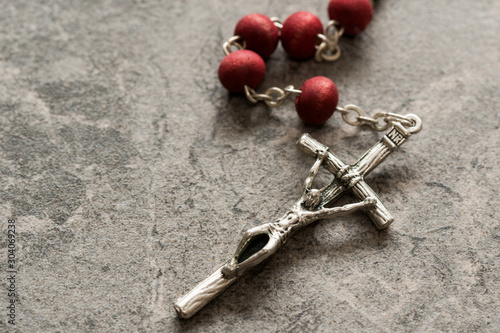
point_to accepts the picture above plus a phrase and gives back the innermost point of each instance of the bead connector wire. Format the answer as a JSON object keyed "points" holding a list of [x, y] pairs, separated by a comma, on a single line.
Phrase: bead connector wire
{"points": [[380, 121], [235, 41], [328, 48], [273, 97]]}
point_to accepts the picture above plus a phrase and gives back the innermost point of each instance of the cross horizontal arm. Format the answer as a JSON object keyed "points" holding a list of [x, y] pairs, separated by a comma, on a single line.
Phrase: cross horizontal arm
{"points": [[378, 213], [354, 176]]}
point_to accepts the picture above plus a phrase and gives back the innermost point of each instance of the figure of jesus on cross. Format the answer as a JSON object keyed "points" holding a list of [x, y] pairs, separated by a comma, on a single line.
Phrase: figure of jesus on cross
{"points": [[262, 241]]}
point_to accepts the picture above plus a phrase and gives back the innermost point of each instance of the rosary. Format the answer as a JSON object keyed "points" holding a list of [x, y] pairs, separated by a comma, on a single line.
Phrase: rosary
{"points": [[241, 71]]}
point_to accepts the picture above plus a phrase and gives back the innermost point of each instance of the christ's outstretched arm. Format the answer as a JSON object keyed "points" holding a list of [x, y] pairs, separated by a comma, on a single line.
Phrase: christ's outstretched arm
{"points": [[337, 211]]}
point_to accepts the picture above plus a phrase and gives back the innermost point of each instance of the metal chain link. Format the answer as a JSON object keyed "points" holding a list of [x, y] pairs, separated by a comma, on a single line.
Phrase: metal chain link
{"points": [[277, 22], [354, 115], [273, 97], [236, 41], [328, 48]]}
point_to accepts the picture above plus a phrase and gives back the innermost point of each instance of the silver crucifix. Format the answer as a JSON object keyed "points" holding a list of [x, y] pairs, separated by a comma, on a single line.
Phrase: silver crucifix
{"points": [[261, 242]]}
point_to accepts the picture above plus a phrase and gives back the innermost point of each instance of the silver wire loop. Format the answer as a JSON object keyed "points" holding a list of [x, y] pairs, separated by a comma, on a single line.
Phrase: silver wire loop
{"points": [[235, 41], [277, 22], [254, 97], [292, 90], [345, 114], [328, 48], [417, 123], [336, 27], [324, 52], [354, 115], [277, 97], [367, 120], [273, 97]]}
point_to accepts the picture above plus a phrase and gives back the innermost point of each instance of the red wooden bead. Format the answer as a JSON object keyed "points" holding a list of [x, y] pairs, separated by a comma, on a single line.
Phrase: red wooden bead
{"points": [[259, 32], [318, 100], [240, 68], [299, 34], [354, 15]]}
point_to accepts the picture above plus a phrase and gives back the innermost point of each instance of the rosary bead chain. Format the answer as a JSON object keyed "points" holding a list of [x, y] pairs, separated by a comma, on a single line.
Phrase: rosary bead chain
{"points": [[256, 37], [315, 102], [351, 114], [325, 44]]}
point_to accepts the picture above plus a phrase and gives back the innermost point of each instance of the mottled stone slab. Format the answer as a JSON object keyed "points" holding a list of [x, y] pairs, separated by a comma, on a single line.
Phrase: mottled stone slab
{"points": [[131, 172]]}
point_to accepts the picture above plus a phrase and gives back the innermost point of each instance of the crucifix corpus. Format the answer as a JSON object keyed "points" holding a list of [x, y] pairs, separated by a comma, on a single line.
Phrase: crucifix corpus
{"points": [[260, 242]]}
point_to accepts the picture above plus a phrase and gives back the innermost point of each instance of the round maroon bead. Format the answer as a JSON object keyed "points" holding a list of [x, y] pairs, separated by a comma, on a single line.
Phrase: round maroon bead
{"points": [[318, 100], [299, 34], [259, 32], [240, 68], [353, 15]]}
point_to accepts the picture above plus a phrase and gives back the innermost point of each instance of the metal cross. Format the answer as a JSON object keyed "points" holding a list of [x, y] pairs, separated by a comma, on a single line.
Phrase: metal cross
{"points": [[262, 241]]}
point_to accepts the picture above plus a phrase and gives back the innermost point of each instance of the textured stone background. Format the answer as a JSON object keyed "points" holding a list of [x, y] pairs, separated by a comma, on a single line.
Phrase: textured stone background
{"points": [[131, 172]]}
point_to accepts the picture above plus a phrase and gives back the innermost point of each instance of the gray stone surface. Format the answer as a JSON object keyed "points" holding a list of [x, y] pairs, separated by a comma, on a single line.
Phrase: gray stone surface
{"points": [[131, 172]]}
